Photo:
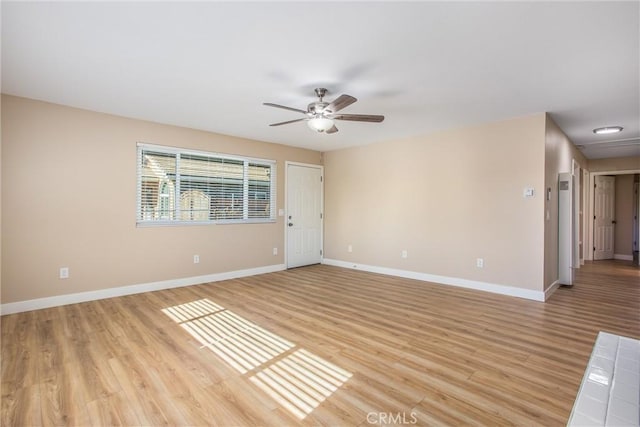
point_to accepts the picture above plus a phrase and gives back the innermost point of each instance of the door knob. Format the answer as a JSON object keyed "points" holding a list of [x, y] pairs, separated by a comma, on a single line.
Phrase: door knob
{"points": [[290, 224]]}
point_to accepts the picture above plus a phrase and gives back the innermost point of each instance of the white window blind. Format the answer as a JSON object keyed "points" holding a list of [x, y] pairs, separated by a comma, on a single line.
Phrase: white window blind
{"points": [[177, 186]]}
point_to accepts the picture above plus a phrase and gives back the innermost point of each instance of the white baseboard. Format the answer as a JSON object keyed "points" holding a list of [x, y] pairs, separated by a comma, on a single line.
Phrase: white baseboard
{"points": [[36, 304], [551, 289], [444, 280], [623, 257]]}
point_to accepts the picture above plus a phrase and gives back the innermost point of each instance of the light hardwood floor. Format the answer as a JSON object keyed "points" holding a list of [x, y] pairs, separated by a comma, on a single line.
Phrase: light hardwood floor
{"points": [[313, 346]]}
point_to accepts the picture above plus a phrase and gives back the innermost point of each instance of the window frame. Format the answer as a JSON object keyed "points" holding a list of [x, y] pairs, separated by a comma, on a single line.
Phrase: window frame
{"points": [[177, 221]]}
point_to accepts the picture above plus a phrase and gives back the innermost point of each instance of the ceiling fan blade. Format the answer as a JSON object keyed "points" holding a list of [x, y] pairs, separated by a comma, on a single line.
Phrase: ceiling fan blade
{"points": [[340, 102], [334, 129], [287, 122], [269, 104], [359, 117]]}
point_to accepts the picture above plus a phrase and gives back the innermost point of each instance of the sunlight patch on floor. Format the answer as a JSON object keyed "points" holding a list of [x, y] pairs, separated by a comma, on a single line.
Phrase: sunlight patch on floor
{"points": [[300, 381], [294, 377], [242, 344]]}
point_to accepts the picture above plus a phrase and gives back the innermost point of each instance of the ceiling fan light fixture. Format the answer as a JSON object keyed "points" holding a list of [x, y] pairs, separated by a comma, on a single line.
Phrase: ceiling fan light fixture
{"points": [[607, 130], [320, 115], [320, 124]]}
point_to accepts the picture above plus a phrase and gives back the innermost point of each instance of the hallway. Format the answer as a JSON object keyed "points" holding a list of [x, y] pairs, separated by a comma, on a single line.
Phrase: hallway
{"points": [[602, 289]]}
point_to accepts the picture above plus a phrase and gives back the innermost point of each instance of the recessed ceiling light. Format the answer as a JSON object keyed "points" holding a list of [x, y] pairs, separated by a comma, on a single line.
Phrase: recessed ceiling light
{"points": [[607, 130]]}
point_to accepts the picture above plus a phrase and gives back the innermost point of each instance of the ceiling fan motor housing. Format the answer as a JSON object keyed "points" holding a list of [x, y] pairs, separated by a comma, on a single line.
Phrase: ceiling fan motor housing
{"points": [[321, 92], [319, 107]]}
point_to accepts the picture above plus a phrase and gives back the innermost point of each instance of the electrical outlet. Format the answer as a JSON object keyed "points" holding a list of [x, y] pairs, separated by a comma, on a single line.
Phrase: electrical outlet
{"points": [[275, 251], [64, 272], [196, 259], [349, 248], [480, 262], [404, 254]]}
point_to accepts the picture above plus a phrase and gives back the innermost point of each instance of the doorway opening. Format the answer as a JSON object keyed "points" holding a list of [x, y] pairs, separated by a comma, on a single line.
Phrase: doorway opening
{"points": [[614, 232]]}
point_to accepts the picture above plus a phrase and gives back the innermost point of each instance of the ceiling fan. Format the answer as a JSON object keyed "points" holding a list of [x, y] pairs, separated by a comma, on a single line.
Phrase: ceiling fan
{"points": [[320, 115]]}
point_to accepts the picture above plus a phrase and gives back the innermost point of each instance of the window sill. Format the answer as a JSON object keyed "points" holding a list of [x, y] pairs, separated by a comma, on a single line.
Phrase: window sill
{"points": [[145, 224]]}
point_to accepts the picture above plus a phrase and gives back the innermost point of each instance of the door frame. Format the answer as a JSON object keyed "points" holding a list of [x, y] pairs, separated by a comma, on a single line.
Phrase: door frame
{"points": [[592, 181], [286, 207]]}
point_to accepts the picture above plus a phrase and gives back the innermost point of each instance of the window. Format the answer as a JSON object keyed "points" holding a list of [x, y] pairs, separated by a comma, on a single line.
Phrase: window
{"points": [[178, 186]]}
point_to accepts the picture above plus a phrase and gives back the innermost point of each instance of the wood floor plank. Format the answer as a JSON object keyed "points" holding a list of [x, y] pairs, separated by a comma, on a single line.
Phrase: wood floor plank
{"points": [[139, 391], [114, 410], [22, 407], [361, 349], [20, 362], [62, 398]]}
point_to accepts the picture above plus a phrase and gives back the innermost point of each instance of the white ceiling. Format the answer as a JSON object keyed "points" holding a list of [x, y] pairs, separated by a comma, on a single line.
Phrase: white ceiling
{"points": [[426, 66]]}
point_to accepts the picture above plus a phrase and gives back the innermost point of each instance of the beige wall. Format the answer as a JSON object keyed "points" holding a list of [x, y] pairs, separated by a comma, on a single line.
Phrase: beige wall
{"points": [[559, 153], [624, 215], [0, 203], [614, 164], [446, 198], [69, 195]]}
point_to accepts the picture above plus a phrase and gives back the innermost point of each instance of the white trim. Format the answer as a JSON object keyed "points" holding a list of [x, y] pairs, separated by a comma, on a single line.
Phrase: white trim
{"points": [[182, 150], [623, 257], [36, 304], [444, 280], [307, 165], [551, 289]]}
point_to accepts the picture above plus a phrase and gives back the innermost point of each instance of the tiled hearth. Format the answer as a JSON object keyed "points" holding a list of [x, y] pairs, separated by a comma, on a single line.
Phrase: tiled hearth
{"points": [[610, 391]]}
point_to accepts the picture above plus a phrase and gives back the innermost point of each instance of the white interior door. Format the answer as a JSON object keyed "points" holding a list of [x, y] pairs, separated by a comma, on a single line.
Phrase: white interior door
{"points": [[304, 215], [604, 217]]}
